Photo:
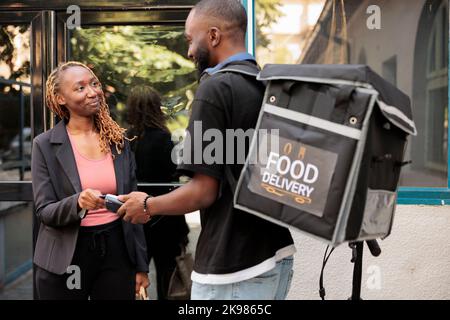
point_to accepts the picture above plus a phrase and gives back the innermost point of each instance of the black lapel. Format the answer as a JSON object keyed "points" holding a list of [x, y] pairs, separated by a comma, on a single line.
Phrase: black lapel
{"points": [[65, 156]]}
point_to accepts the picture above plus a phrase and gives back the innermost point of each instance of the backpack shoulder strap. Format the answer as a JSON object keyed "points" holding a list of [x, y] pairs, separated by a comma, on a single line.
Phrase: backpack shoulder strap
{"points": [[242, 67], [239, 69], [230, 178], [248, 69]]}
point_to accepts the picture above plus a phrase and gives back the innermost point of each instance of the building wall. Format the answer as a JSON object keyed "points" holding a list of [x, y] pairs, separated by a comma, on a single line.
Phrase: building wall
{"points": [[380, 45], [415, 258], [414, 262], [398, 40]]}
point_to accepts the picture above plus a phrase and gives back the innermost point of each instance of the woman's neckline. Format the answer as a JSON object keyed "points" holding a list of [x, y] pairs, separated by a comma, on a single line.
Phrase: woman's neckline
{"points": [[74, 146]]}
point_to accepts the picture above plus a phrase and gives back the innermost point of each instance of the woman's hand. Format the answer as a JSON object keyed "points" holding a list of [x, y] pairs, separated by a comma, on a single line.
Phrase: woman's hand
{"points": [[90, 199], [141, 281]]}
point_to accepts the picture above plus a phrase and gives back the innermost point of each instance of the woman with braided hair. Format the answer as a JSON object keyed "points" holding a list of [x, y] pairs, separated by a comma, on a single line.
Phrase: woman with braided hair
{"points": [[83, 250]]}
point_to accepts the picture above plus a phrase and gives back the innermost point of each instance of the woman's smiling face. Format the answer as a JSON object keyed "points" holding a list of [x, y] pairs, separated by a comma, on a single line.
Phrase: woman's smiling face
{"points": [[79, 91]]}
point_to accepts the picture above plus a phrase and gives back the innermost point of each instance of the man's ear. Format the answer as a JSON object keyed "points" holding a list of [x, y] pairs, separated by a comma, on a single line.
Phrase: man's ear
{"points": [[60, 100], [214, 36]]}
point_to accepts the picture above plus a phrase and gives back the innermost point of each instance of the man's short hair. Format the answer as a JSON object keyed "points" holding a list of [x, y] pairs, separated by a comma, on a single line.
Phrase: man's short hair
{"points": [[231, 12]]}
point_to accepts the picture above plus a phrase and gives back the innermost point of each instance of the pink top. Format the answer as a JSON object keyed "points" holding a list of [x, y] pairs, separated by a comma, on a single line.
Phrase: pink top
{"points": [[98, 175]]}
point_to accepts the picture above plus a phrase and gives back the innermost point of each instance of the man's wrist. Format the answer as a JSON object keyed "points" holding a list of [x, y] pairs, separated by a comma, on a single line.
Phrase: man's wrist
{"points": [[147, 208]]}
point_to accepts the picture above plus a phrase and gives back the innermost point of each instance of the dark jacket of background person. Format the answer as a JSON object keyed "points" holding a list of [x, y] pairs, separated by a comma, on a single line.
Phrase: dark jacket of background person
{"points": [[56, 188], [153, 148]]}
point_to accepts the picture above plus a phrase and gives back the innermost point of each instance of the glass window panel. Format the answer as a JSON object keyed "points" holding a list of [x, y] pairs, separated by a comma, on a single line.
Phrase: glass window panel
{"points": [[127, 56], [413, 55], [15, 89], [124, 57], [390, 70]]}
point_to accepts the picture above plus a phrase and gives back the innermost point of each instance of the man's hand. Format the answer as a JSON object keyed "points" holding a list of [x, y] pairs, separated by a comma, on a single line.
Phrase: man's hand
{"points": [[133, 208], [141, 281], [199, 193]]}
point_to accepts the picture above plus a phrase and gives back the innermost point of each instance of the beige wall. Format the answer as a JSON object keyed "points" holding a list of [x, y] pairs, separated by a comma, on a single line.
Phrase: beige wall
{"points": [[414, 263]]}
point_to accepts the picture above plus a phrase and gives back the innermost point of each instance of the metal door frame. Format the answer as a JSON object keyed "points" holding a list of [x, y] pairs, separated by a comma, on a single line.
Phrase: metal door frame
{"points": [[21, 190]]}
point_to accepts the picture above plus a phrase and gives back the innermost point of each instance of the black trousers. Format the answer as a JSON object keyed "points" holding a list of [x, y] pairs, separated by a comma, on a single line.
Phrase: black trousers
{"points": [[101, 268]]}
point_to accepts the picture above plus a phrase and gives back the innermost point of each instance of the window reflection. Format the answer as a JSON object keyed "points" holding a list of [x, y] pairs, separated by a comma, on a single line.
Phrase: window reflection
{"points": [[404, 41], [283, 28], [128, 56], [15, 88]]}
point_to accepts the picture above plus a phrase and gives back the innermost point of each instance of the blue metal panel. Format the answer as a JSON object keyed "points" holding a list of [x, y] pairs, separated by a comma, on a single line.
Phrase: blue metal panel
{"points": [[430, 196]]}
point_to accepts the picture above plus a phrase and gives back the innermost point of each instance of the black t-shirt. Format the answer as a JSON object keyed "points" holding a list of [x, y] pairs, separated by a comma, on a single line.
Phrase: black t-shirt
{"points": [[231, 240]]}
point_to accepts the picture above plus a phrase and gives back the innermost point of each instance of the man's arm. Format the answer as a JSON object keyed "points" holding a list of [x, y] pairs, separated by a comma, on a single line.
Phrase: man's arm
{"points": [[197, 194]]}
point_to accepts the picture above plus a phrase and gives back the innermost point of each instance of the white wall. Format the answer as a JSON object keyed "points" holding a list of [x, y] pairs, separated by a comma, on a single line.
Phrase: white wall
{"points": [[414, 262]]}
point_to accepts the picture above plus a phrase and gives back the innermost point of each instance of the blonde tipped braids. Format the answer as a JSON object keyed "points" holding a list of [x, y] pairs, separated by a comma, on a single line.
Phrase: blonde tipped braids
{"points": [[110, 132]]}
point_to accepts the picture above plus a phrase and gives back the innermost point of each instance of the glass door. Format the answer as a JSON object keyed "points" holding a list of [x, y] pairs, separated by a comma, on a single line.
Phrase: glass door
{"points": [[131, 49], [21, 118]]}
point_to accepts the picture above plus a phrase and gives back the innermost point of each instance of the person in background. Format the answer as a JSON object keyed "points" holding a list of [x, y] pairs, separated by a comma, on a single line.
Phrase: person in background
{"points": [[83, 251], [153, 146]]}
